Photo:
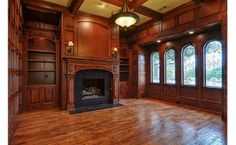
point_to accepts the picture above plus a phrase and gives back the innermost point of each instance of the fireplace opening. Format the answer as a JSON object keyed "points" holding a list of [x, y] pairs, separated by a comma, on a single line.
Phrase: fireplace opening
{"points": [[92, 87]]}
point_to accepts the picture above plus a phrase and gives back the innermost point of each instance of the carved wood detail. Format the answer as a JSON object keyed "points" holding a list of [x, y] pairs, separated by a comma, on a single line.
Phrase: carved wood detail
{"points": [[75, 64]]}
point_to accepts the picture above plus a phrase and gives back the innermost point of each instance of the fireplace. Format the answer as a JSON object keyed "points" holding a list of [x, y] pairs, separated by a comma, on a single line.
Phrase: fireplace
{"points": [[89, 81], [92, 87]]}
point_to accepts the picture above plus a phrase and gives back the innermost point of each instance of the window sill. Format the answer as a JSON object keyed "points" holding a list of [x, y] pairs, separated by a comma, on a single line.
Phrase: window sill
{"points": [[189, 86], [155, 84], [173, 85], [212, 88]]}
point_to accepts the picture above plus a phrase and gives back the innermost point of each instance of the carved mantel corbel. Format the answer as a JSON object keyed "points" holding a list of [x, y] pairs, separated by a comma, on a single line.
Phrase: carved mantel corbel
{"points": [[70, 90]]}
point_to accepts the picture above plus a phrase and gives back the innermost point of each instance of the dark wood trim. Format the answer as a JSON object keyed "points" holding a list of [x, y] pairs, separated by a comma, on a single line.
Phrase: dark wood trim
{"points": [[150, 13], [41, 26], [75, 5], [142, 10], [44, 5], [198, 1], [73, 58], [69, 3], [225, 50], [137, 4]]}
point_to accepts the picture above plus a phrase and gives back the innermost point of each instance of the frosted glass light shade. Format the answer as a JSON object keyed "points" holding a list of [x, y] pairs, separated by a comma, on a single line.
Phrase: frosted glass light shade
{"points": [[125, 21]]}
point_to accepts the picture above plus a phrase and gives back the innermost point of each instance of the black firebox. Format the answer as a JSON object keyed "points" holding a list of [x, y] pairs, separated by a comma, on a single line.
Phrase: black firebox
{"points": [[92, 87]]}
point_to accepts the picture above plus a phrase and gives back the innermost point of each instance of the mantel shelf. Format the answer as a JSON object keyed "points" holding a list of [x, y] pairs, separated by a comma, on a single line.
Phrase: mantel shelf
{"points": [[40, 70], [124, 64], [42, 51], [124, 71], [124, 58], [38, 60]]}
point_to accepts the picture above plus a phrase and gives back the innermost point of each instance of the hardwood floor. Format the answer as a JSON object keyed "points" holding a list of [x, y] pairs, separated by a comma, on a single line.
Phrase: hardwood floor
{"points": [[139, 122]]}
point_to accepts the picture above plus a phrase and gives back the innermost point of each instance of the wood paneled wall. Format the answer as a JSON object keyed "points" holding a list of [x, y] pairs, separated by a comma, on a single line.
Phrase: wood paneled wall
{"points": [[40, 65], [14, 63], [176, 24], [187, 17], [197, 96], [125, 71], [93, 37], [138, 77]]}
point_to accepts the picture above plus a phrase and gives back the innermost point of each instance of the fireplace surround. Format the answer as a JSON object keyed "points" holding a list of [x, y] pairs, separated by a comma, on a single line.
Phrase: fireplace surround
{"points": [[92, 87], [102, 70]]}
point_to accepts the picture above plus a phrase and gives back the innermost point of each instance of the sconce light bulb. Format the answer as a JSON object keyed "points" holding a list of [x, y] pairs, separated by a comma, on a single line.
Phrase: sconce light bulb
{"points": [[70, 43], [191, 32]]}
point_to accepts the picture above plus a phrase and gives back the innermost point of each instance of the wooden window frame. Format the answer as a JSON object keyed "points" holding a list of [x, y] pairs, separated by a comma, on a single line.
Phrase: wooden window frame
{"points": [[165, 79], [204, 65], [151, 68], [182, 65]]}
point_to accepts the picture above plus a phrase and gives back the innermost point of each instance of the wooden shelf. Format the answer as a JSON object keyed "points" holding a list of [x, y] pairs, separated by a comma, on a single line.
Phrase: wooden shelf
{"points": [[38, 60], [124, 64], [124, 68], [42, 85], [40, 70], [124, 71], [124, 81], [124, 58], [42, 51]]}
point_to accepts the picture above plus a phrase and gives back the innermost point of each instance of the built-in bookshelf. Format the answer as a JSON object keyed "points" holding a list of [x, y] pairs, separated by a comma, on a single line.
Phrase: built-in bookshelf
{"points": [[41, 70], [124, 69], [41, 61]]}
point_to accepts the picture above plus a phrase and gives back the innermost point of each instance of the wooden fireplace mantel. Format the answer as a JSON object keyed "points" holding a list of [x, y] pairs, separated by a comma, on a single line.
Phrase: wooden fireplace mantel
{"points": [[75, 64]]}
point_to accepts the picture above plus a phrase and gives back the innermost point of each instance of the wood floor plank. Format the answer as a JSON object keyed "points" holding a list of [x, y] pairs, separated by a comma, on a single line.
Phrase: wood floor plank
{"points": [[139, 122]]}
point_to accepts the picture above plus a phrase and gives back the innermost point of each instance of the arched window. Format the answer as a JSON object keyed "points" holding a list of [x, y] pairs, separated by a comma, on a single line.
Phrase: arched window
{"points": [[213, 64], [189, 65], [170, 66], [155, 67]]}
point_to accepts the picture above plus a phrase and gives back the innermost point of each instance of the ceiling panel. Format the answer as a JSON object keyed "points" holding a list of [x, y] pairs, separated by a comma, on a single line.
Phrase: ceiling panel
{"points": [[100, 8], [143, 19], [164, 6], [97, 7], [59, 2]]}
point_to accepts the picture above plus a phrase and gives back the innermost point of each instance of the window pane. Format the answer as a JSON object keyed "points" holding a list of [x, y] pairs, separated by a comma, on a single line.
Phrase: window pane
{"points": [[155, 67], [213, 64], [189, 65], [170, 66]]}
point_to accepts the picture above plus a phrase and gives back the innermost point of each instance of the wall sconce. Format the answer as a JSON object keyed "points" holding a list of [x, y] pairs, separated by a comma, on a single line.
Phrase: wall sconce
{"points": [[70, 46], [115, 52]]}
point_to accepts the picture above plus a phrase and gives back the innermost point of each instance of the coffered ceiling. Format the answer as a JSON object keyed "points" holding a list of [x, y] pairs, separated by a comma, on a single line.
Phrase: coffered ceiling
{"points": [[59, 2], [105, 9], [146, 9], [164, 6]]}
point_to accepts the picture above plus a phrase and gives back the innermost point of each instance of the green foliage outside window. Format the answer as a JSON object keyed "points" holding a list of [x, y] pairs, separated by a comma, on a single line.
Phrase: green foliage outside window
{"points": [[170, 66], [189, 65], [155, 60], [213, 64]]}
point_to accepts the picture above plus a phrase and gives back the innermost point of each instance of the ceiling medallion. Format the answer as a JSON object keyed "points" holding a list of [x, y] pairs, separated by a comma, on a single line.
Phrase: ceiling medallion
{"points": [[125, 18]]}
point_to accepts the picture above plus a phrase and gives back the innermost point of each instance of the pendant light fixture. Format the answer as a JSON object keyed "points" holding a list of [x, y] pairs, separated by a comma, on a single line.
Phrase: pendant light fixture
{"points": [[125, 17]]}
